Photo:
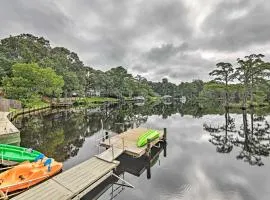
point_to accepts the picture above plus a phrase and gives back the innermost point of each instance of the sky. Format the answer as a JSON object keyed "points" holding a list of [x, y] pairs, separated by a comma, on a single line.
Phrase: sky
{"points": [[178, 39]]}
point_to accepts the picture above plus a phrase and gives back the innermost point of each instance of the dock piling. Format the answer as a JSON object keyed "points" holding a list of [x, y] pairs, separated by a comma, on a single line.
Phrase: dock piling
{"points": [[165, 135], [112, 153]]}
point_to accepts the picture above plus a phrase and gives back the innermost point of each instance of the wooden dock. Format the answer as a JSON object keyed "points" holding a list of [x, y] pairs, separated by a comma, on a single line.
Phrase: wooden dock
{"points": [[81, 179], [73, 183], [127, 141], [6, 127]]}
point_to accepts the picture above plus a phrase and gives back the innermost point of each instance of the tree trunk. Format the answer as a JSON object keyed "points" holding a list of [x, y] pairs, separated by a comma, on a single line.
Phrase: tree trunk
{"points": [[226, 93], [244, 105], [245, 129], [251, 92]]}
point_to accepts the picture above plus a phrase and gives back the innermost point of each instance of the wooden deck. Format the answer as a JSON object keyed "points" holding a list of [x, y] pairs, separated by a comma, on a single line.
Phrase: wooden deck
{"points": [[128, 141], [6, 127], [81, 179], [73, 183], [110, 154]]}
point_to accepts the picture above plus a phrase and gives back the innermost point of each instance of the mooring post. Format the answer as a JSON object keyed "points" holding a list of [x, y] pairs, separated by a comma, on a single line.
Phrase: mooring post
{"points": [[148, 170], [165, 149], [148, 149], [148, 155], [165, 134]]}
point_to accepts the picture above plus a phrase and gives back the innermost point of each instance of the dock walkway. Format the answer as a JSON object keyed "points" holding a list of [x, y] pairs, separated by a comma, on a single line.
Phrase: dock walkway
{"points": [[73, 183], [81, 179], [6, 127], [128, 141]]}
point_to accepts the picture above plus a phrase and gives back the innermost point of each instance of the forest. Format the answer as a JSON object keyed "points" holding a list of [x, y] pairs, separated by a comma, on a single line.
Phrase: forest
{"points": [[31, 70]]}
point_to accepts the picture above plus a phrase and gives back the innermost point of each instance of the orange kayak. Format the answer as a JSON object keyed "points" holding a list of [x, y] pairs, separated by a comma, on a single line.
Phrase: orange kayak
{"points": [[28, 174]]}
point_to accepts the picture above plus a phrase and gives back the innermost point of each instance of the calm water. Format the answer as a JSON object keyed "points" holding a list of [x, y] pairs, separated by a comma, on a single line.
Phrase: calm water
{"points": [[209, 156]]}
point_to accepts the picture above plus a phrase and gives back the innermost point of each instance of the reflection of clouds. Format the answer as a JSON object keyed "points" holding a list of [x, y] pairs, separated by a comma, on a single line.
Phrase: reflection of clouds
{"points": [[193, 170]]}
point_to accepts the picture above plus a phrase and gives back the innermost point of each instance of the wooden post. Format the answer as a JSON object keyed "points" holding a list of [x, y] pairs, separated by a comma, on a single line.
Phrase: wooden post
{"points": [[148, 170], [165, 135], [148, 154], [165, 149], [112, 153], [148, 149]]}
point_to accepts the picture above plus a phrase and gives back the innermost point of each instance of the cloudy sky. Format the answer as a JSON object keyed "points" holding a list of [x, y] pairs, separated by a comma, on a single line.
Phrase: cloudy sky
{"points": [[178, 39]]}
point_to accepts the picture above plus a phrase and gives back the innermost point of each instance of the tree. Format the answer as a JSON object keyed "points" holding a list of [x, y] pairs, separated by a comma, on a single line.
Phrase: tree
{"points": [[29, 81], [252, 69], [223, 74], [27, 48]]}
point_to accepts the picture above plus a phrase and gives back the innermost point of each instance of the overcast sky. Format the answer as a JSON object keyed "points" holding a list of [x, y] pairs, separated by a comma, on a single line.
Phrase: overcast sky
{"points": [[178, 39]]}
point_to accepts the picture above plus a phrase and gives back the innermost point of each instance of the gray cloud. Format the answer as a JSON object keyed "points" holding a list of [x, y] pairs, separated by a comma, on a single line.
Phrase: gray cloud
{"points": [[165, 52], [179, 39], [235, 25]]}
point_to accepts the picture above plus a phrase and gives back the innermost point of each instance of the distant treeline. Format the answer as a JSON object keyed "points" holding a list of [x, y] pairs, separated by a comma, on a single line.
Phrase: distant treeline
{"points": [[30, 69]]}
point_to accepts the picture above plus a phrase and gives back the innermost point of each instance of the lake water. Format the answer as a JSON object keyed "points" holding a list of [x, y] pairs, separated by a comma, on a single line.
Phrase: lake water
{"points": [[210, 154]]}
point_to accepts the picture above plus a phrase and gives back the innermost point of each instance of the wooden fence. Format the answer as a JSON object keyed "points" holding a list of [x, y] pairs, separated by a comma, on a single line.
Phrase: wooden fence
{"points": [[12, 115]]}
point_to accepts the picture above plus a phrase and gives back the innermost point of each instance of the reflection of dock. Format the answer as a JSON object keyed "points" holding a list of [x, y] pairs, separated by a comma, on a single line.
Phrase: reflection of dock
{"points": [[83, 178], [112, 187], [136, 166]]}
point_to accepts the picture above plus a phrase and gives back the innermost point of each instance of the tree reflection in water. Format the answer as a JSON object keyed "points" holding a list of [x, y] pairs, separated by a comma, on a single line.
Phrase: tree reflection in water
{"points": [[222, 136], [253, 140], [61, 133]]}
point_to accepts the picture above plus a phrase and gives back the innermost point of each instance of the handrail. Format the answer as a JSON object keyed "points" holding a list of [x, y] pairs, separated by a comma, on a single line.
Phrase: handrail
{"points": [[13, 114]]}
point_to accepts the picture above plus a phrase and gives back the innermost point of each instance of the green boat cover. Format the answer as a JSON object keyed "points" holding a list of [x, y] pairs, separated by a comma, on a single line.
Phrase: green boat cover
{"points": [[150, 134], [17, 154]]}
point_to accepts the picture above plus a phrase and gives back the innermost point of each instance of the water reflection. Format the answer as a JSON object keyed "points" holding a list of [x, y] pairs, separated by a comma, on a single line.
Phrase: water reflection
{"points": [[113, 187], [252, 139], [193, 170]]}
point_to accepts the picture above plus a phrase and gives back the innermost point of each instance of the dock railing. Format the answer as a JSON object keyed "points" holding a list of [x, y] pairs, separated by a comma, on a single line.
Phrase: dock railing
{"points": [[112, 146], [13, 114]]}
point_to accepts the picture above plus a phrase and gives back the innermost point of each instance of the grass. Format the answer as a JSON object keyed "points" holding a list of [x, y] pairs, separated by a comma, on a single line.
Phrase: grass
{"points": [[255, 104], [93, 101]]}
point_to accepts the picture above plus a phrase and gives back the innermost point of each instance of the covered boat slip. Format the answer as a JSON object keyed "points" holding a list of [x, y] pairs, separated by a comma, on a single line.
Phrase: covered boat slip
{"points": [[128, 141]]}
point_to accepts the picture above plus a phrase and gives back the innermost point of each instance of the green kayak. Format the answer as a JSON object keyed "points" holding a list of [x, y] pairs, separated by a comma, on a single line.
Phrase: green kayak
{"points": [[150, 134], [17, 154]]}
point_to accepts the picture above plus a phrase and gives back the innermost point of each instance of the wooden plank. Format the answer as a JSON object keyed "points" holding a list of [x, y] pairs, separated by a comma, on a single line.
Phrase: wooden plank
{"points": [[72, 182], [6, 127], [130, 141], [81, 194], [110, 154], [47, 190], [79, 180]]}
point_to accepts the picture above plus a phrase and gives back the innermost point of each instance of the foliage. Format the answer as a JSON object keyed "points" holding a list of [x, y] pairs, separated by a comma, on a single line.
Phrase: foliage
{"points": [[223, 74], [29, 81], [26, 48], [252, 73]]}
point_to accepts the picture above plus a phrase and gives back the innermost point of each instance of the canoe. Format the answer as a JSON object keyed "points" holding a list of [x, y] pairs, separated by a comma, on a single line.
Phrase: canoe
{"points": [[27, 174], [17, 154], [150, 134]]}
